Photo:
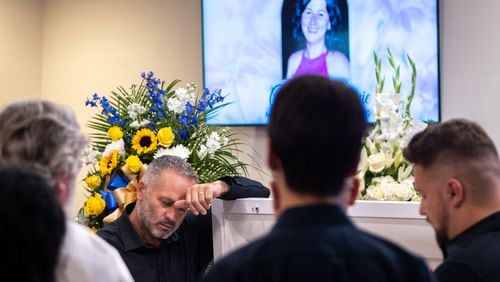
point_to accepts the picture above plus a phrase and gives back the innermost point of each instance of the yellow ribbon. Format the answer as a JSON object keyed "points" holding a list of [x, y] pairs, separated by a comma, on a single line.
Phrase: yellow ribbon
{"points": [[125, 195]]}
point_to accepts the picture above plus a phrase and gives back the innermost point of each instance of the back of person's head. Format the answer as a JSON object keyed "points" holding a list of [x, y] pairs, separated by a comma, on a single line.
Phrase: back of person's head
{"points": [[315, 129], [32, 226], [168, 162], [40, 132], [462, 145]]}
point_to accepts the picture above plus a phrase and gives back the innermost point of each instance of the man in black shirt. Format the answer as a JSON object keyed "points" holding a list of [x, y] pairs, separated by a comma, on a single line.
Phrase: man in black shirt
{"points": [[457, 171], [157, 237], [315, 130]]}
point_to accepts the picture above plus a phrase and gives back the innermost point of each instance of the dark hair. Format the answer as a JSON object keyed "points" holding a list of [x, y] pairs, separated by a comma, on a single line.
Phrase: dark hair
{"points": [[32, 226], [456, 139], [316, 128], [337, 37]]}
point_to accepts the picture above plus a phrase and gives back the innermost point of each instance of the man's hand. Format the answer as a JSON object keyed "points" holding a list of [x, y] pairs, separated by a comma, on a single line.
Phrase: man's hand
{"points": [[199, 197]]}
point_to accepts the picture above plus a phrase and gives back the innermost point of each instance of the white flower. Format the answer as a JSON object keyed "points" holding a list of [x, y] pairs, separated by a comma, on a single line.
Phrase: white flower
{"points": [[203, 151], [375, 192], [181, 92], [212, 144], [134, 110], [376, 162], [175, 105], [386, 103], [178, 150], [90, 156], [139, 124], [363, 162], [405, 172], [116, 145], [403, 191]]}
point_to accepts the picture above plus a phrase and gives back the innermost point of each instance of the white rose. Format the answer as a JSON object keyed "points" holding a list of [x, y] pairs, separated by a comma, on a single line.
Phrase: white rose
{"points": [[375, 192], [376, 162], [403, 191]]}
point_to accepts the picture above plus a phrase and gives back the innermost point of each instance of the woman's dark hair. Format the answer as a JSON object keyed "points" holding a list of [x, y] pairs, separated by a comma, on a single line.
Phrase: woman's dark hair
{"points": [[32, 226], [336, 38]]}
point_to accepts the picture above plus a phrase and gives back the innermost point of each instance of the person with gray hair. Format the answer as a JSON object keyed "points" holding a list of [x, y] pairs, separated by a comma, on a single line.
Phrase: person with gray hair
{"points": [[41, 133], [157, 237]]}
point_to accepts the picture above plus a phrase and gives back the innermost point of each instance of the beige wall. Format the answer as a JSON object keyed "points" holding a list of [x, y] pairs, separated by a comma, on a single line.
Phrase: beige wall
{"points": [[20, 49]]}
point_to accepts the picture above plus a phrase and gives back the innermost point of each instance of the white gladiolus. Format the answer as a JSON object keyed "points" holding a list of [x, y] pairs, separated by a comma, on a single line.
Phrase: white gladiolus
{"points": [[383, 150]]}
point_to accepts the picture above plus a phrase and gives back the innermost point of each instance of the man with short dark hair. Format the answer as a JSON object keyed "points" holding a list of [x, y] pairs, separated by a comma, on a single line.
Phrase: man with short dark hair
{"points": [[457, 171], [315, 130]]}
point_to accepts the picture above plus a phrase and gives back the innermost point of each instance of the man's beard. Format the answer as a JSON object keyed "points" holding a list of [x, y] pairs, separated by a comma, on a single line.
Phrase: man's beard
{"points": [[146, 216]]}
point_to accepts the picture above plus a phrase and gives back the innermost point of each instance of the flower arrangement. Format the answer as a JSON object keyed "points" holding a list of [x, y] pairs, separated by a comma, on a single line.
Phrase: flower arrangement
{"points": [[383, 172], [144, 122]]}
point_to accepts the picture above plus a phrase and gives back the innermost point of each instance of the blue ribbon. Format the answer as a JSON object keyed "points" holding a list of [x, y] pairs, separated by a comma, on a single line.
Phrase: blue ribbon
{"points": [[118, 181], [109, 198]]}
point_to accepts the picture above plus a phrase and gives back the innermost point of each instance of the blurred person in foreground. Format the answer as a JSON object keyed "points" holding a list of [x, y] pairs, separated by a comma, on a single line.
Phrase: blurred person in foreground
{"points": [[167, 234], [457, 172], [315, 133], [40, 133], [32, 226]]}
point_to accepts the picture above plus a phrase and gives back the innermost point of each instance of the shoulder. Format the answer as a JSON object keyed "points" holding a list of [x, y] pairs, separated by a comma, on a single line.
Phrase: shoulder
{"points": [[296, 57], [456, 271], [338, 65], [294, 62], [473, 259], [252, 256], [391, 255], [87, 256]]}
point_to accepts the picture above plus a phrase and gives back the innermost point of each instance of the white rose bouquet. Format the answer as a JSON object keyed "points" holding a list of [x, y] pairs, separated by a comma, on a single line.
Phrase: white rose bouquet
{"points": [[384, 173]]}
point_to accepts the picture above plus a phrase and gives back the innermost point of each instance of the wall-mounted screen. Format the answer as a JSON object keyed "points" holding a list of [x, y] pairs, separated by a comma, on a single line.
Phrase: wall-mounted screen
{"points": [[250, 48]]}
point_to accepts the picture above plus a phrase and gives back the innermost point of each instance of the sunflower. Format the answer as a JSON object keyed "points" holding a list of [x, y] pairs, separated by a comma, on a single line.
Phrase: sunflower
{"points": [[108, 163], [144, 141]]}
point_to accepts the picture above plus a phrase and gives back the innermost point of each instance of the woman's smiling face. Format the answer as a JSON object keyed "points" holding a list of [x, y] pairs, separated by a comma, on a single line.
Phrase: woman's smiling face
{"points": [[315, 21]]}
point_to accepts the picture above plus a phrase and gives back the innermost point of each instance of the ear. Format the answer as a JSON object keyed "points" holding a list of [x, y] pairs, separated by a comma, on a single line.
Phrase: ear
{"points": [[62, 192], [455, 192], [272, 160], [353, 191], [276, 197], [140, 190]]}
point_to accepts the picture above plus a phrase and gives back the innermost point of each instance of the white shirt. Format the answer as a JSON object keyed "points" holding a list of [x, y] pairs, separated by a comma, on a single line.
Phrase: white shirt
{"points": [[84, 257]]}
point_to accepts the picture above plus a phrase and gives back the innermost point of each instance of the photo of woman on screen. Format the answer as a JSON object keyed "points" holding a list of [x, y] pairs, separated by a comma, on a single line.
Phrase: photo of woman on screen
{"points": [[320, 38]]}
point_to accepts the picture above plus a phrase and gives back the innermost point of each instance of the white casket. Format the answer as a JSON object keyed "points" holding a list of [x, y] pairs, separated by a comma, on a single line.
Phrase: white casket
{"points": [[238, 222]]}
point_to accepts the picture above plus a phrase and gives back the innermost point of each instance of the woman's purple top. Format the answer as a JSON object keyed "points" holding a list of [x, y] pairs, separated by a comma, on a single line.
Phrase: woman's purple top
{"points": [[312, 66]]}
